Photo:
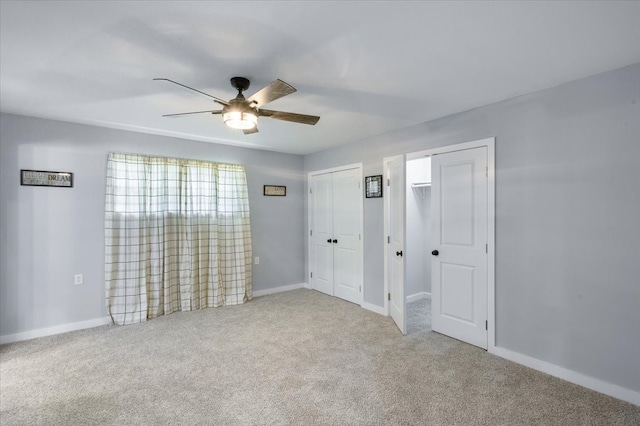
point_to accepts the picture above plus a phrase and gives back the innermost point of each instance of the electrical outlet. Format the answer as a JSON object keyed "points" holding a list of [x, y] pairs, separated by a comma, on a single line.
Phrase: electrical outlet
{"points": [[257, 261], [78, 279]]}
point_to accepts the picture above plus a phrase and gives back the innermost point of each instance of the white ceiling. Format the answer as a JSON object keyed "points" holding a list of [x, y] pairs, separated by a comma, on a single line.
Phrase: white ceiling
{"points": [[365, 67]]}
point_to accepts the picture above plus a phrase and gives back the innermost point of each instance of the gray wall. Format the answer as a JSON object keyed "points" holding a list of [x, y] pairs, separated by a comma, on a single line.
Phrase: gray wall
{"points": [[567, 218], [49, 234]]}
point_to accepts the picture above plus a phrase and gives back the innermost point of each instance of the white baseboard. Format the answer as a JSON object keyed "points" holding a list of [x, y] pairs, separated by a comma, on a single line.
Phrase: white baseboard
{"points": [[57, 329], [418, 296], [280, 289], [597, 385], [374, 308]]}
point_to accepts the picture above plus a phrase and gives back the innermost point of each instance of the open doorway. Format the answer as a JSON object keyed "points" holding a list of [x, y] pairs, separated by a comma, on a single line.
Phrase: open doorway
{"points": [[418, 244]]}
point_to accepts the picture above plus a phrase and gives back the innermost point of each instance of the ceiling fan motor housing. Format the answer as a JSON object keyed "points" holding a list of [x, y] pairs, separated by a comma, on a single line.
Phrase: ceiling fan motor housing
{"points": [[240, 104]]}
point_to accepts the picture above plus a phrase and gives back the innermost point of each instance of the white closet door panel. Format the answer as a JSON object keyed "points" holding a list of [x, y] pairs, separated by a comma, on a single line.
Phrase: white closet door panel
{"points": [[346, 276], [322, 192], [321, 262], [323, 270], [347, 217]]}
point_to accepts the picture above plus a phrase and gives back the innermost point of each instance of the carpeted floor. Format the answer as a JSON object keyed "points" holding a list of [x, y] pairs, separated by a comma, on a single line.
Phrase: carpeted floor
{"points": [[419, 316], [295, 358]]}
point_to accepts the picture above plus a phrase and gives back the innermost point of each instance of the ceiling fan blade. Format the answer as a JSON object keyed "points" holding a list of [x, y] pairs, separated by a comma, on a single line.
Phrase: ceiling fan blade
{"points": [[270, 93], [250, 131], [218, 100], [194, 112], [289, 116]]}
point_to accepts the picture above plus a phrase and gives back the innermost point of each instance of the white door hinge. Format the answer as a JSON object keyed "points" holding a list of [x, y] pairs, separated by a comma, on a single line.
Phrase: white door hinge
{"points": [[311, 232], [388, 239], [486, 325], [360, 288], [486, 248], [312, 275], [388, 296], [388, 182]]}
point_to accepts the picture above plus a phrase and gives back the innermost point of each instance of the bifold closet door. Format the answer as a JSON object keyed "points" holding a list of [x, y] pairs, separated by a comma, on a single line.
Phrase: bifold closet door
{"points": [[336, 240]]}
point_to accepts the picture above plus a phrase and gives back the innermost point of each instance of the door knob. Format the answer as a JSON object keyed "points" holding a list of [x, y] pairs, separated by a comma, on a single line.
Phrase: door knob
{"points": [[435, 252], [329, 240], [335, 241], [399, 253]]}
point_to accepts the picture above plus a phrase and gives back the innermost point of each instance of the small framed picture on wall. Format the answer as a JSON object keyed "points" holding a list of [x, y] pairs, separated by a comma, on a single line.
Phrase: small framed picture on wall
{"points": [[373, 186], [46, 178], [275, 190]]}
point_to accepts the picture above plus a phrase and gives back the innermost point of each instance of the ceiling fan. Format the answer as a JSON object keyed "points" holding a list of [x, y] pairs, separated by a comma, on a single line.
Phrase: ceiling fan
{"points": [[241, 113]]}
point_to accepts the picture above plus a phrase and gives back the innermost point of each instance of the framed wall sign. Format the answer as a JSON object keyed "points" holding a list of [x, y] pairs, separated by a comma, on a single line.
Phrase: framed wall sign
{"points": [[44, 178], [373, 186], [275, 190]]}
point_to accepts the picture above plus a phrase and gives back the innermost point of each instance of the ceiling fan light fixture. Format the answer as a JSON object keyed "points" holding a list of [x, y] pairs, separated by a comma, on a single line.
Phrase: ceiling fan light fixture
{"points": [[242, 113], [240, 120]]}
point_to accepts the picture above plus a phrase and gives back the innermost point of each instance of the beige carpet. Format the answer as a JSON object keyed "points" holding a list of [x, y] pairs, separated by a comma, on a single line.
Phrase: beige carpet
{"points": [[295, 358]]}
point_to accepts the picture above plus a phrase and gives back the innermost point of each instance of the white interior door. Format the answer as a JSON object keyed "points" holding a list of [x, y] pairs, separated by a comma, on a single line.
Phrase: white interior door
{"points": [[459, 232], [395, 246], [347, 246], [321, 239]]}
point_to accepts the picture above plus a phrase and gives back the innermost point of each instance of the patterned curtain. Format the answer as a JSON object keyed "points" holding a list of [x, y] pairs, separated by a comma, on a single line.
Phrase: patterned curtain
{"points": [[177, 236]]}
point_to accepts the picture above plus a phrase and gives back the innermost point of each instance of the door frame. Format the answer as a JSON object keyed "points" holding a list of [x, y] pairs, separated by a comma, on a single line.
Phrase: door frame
{"points": [[489, 143], [359, 167]]}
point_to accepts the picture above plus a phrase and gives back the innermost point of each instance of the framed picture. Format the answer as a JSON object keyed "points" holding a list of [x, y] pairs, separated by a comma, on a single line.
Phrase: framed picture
{"points": [[275, 190], [44, 178], [373, 186]]}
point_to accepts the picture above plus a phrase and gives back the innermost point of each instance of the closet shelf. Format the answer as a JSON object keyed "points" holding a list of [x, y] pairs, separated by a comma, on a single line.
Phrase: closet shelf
{"points": [[420, 188]]}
